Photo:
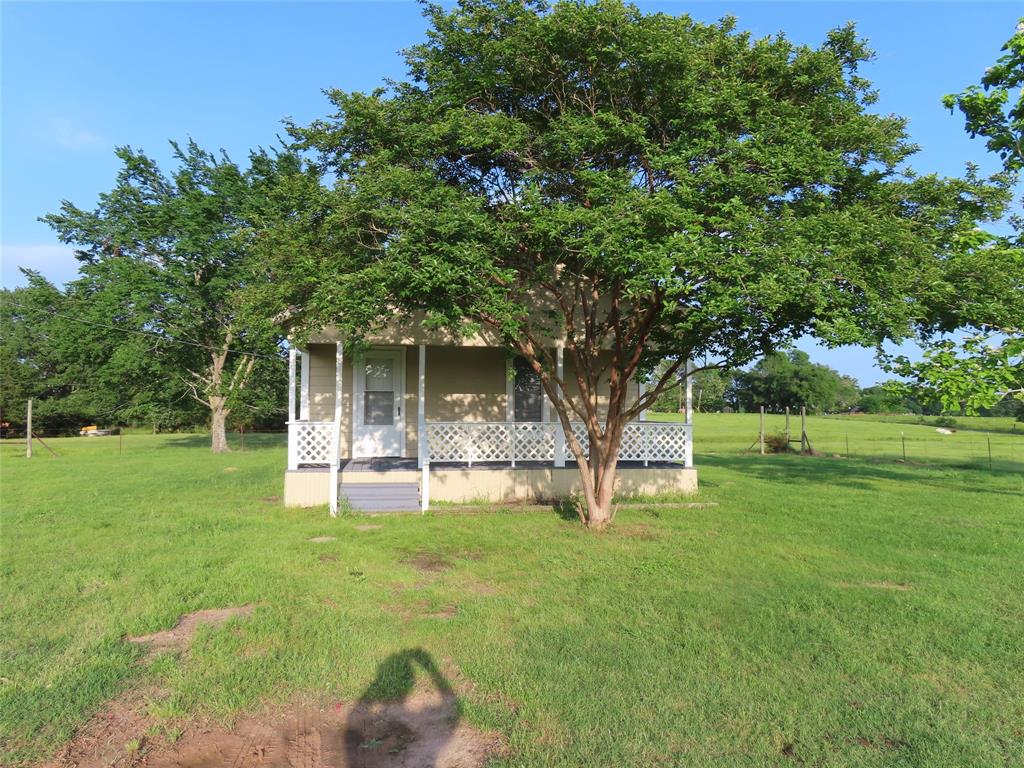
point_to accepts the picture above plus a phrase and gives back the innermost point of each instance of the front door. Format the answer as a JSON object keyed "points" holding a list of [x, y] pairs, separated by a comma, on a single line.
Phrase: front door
{"points": [[379, 425]]}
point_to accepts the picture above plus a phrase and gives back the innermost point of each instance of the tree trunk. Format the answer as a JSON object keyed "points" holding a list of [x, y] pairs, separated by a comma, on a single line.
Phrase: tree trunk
{"points": [[218, 425]]}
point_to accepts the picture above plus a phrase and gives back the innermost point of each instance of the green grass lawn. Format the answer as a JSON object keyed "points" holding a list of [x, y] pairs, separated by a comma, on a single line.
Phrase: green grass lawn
{"points": [[824, 612]]}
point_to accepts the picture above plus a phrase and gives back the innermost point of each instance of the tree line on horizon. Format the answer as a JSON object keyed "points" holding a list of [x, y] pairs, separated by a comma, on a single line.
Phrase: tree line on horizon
{"points": [[790, 379], [673, 190]]}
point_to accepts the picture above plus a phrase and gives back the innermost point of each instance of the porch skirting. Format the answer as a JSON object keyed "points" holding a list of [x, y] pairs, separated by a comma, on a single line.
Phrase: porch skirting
{"points": [[311, 487]]}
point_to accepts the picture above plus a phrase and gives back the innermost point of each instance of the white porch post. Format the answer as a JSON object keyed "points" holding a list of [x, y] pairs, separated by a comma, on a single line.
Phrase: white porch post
{"points": [[689, 414], [291, 383], [423, 449], [304, 400], [559, 432], [421, 409], [339, 368], [293, 459]]}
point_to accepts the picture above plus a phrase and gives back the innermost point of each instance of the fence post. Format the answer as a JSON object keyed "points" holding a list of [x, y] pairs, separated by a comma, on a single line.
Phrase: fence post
{"points": [[903, 441], [805, 443], [787, 428], [988, 437], [847, 445], [760, 432], [28, 431]]}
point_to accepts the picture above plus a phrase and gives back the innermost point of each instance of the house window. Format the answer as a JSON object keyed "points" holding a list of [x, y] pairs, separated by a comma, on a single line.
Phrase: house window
{"points": [[526, 392]]}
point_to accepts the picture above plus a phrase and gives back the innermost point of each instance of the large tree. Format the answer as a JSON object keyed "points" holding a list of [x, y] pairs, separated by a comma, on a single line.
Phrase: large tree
{"points": [[986, 363], [165, 263], [790, 379], [649, 186]]}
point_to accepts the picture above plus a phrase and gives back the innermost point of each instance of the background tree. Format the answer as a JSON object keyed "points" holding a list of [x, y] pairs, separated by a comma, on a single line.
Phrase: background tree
{"points": [[987, 365], [791, 380], [710, 390], [651, 186], [165, 262]]}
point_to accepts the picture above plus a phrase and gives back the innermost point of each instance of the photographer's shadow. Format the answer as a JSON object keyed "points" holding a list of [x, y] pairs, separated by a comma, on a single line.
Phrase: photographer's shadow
{"points": [[395, 724]]}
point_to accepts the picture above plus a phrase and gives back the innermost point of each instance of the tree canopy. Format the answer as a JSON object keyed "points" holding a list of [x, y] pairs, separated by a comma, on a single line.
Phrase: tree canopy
{"points": [[790, 380], [651, 186], [986, 365], [166, 261]]}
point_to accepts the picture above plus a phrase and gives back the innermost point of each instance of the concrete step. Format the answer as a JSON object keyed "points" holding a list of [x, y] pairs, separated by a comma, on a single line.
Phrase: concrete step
{"points": [[381, 497]]}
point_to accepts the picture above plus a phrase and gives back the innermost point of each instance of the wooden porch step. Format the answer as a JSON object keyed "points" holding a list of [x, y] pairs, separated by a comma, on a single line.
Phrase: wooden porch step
{"points": [[381, 497]]}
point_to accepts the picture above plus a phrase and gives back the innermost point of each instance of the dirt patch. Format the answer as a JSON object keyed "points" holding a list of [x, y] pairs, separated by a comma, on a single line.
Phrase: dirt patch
{"points": [[422, 609], [322, 539], [271, 499], [367, 527], [180, 635], [640, 531], [423, 729], [482, 588], [328, 558], [883, 743], [428, 562], [877, 585], [230, 469], [116, 737]]}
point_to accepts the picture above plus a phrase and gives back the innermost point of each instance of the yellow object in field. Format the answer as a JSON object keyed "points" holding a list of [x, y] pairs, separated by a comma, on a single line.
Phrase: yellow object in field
{"points": [[87, 430]]}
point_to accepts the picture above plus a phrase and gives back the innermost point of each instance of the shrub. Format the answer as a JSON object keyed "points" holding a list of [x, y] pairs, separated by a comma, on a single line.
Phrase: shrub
{"points": [[778, 443]]}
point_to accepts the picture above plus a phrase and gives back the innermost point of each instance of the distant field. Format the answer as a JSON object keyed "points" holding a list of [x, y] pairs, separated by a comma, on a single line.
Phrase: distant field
{"points": [[805, 611], [867, 439], [977, 423]]}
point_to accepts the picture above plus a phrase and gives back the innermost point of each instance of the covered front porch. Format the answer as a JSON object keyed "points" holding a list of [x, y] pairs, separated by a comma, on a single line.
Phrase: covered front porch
{"points": [[454, 449]]}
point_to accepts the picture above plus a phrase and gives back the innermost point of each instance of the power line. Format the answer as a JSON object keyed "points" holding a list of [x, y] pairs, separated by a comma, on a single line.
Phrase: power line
{"points": [[150, 334]]}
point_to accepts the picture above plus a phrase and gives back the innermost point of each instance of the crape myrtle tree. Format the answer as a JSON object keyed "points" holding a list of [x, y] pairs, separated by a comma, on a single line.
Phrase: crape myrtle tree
{"points": [[649, 186], [166, 262], [986, 364]]}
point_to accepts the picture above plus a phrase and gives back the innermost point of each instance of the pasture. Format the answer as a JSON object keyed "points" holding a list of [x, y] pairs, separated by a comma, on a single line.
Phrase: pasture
{"points": [[800, 611]]}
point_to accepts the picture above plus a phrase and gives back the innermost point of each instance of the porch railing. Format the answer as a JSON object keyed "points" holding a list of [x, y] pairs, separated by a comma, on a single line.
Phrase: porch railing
{"points": [[310, 443], [500, 441]]}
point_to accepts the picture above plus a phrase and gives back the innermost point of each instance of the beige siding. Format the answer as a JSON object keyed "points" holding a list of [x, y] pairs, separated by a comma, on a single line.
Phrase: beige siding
{"points": [[321, 392], [307, 489], [462, 384], [465, 384]]}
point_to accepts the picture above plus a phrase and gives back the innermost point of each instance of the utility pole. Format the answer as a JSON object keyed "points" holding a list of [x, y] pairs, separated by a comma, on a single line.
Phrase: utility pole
{"points": [[28, 431]]}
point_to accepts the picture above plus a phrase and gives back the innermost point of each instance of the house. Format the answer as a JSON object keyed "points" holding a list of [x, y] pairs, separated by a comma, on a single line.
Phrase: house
{"points": [[420, 417]]}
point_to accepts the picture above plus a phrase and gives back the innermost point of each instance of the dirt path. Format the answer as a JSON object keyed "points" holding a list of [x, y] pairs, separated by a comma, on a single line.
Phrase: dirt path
{"points": [[420, 729]]}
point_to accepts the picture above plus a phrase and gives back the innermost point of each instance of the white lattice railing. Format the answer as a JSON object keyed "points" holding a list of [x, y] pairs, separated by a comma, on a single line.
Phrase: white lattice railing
{"points": [[310, 442], [469, 442]]}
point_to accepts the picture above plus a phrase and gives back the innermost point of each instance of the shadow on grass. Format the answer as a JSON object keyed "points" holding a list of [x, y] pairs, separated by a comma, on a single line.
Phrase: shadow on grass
{"points": [[251, 442], [860, 474], [393, 725], [567, 510]]}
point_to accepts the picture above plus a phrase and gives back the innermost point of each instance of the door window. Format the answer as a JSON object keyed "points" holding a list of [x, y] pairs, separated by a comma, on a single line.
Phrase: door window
{"points": [[379, 393]]}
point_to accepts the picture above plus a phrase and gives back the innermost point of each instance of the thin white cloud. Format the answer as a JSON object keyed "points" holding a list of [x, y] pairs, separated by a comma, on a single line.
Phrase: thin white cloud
{"points": [[56, 263], [69, 136]]}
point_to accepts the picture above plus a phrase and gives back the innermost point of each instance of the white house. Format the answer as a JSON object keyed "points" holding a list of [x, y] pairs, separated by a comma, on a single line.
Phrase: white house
{"points": [[422, 417]]}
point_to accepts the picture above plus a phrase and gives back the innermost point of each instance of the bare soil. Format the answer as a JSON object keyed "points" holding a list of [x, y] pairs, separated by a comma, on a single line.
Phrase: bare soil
{"points": [[322, 539], [878, 585], [368, 527], [424, 730], [180, 635], [429, 562], [421, 730]]}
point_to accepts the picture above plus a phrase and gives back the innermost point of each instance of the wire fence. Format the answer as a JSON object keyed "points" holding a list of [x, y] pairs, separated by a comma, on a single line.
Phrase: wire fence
{"points": [[919, 444]]}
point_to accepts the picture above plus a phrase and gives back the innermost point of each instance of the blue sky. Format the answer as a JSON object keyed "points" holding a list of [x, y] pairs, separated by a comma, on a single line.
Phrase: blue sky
{"points": [[79, 79]]}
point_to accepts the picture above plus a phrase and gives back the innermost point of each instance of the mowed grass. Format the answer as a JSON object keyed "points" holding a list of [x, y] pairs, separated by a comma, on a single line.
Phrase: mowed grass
{"points": [[867, 437], [824, 612]]}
